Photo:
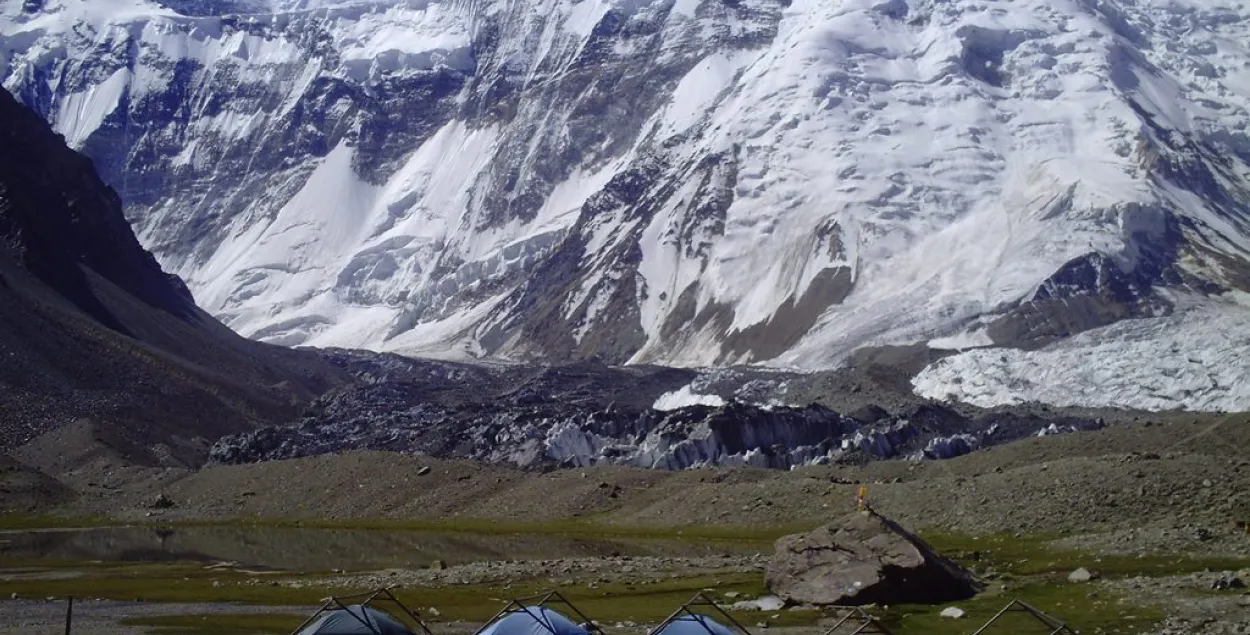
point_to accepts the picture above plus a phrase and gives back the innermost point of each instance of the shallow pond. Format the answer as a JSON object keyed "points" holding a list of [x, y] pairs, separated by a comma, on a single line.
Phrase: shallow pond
{"points": [[317, 549]]}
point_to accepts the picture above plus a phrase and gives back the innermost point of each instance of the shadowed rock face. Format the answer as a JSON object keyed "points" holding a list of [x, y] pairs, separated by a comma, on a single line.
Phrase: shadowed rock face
{"points": [[95, 335], [865, 559], [58, 220]]}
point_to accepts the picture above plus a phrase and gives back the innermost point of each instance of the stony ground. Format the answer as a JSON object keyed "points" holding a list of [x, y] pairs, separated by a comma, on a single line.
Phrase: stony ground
{"points": [[24, 617], [557, 572], [1169, 486], [1196, 605]]}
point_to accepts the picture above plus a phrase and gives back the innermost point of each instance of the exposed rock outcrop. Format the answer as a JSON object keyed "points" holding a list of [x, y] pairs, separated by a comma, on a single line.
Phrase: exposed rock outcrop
{"points": [[865, 559]]}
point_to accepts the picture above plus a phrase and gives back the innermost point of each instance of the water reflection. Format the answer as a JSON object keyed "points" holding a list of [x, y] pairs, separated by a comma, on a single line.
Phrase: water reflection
{"points": [[304, 549]]}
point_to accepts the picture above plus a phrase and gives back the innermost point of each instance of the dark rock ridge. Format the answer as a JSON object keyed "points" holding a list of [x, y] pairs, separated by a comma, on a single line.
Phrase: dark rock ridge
{"points": [[865, 559], [585, 414], [93, 333]]}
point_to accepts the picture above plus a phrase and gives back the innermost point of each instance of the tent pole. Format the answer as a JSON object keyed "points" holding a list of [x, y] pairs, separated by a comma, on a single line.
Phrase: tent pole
{"points": [[506, 610], [391, 597], [668, 620], [839, 623], [323, 609], [713, 604], [539, 618], [573, 607], [995, 618], [861, 628], [1043, 616], [69, 613]]}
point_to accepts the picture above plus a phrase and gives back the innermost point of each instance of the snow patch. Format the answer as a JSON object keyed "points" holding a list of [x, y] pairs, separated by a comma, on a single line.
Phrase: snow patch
{"points": [[962, 341], [82, 113], [683, 397]]}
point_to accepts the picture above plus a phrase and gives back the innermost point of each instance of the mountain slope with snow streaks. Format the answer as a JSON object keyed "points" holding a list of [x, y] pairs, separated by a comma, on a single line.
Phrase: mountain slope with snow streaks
{"points": [[693, 182]]}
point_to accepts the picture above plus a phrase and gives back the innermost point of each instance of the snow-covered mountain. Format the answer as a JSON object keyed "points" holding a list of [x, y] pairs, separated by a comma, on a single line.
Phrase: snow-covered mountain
{"points": [[692, 182]]}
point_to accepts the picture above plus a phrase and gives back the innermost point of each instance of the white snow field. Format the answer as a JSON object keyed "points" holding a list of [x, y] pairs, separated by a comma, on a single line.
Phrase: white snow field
{"points": [[946, 157]]}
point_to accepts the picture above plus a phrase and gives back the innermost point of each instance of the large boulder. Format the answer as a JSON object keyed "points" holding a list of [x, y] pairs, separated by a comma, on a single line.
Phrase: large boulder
{"points": [[865, 559]]}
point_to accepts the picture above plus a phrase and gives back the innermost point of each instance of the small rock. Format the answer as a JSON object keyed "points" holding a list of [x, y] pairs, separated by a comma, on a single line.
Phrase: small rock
{"points": [[1082, 575], [953, 612], [765, 603], [162, 502], [425, 469], [438, 565], [1227, 582], [433, 612]]}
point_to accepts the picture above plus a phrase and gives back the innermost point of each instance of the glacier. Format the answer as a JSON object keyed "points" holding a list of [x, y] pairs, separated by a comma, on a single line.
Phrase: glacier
{"points": [[690, 182], [1194, 359]]}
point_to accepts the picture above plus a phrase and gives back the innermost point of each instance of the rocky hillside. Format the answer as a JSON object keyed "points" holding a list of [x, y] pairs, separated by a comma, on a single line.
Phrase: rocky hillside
{"points": [[693, 182], [95, 337]]}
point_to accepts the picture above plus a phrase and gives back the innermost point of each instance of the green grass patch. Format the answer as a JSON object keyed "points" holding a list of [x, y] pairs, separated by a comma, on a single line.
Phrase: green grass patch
{"points": [[188, 583], [169, 582], [1072, 604], [1036, 555], [581, 527], [606, 603], [35, 523], [575, 527]]}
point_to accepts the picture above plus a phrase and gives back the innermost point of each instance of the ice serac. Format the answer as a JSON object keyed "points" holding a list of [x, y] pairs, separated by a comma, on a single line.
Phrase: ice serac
{"points": [[690, 182]]}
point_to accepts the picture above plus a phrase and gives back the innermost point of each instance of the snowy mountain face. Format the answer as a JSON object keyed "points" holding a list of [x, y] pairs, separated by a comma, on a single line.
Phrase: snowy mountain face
{"points": [[688, 182]]}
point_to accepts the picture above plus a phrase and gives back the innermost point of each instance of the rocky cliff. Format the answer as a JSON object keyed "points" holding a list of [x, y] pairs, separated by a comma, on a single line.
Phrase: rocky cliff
{"points": [[96, 337]]}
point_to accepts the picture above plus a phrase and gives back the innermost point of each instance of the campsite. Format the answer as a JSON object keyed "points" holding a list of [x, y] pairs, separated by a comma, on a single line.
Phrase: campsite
{"points": [[455, 540], [626, 581]]}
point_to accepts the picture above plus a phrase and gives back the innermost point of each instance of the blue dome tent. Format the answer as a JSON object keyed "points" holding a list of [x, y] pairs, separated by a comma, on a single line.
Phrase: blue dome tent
{"points": [[356, 619], [339, 616], [695, 624], [534, 620], [532, 616], [684, 621]]}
